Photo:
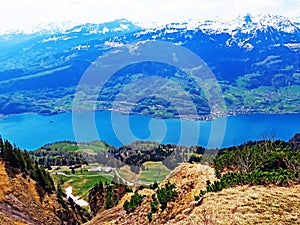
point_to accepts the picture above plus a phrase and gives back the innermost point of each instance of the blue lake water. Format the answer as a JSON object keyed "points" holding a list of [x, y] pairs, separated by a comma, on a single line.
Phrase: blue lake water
{"points": [[31, 131]]}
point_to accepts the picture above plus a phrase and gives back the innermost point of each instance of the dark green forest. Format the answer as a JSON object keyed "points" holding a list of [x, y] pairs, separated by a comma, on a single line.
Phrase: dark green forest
{"points": [[21, 162]]}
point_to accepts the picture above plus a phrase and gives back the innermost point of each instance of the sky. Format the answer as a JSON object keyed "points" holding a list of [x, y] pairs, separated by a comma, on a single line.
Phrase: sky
{"points": [[24, 14]]}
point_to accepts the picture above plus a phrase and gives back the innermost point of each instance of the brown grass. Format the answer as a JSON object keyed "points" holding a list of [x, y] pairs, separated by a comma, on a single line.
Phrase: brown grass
{"points": [[189, 180], [4, 181], [249, 205], [116, 214], [22, 203], [127, 174], [5, 220], [234, 206], [20, 223]]}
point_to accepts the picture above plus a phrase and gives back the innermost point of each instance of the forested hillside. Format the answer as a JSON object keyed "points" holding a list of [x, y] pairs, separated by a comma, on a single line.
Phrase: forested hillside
{"points": [[28, 194]]}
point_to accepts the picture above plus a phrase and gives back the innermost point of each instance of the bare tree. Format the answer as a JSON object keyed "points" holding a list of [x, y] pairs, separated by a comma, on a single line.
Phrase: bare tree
{"points": [[250, 158], [292, 161]]}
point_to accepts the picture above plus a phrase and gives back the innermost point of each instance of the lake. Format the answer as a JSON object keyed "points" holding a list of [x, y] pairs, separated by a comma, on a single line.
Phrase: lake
{"points": [[31, 131]]}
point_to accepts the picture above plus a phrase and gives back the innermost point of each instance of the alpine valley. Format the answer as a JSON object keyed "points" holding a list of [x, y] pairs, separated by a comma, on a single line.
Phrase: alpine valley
{"points": [[255, 60]]}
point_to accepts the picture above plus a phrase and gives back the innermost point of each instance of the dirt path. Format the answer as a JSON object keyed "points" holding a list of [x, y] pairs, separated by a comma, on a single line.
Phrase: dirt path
{"points": [[95, 175], [80, 175]]}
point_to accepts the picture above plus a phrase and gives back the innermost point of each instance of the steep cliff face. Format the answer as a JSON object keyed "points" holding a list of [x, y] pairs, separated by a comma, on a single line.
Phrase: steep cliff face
{"points": [[23, 201]]}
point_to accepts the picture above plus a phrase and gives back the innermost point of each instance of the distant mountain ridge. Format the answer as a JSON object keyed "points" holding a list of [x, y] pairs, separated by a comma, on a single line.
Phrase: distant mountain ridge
{"points": [[283, 23], [255, 59]]}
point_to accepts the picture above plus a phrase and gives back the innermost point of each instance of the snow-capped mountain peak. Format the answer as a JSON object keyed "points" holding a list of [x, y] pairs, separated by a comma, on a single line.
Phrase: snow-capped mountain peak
{"points": [[244, 24], [120, 25], [280, 23], [43, 28], [249, 24], [69, 27]]}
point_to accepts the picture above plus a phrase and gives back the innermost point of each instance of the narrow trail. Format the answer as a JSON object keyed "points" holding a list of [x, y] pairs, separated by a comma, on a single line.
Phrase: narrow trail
{"points": [[95, 175], [80, 175]]}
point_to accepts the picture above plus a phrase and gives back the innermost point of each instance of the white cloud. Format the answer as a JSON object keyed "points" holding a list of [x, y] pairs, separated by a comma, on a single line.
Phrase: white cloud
{"points": [[21, 14]]}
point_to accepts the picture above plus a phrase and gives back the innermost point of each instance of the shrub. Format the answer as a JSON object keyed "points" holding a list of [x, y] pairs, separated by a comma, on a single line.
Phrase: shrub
{"points": [[135, 201]]}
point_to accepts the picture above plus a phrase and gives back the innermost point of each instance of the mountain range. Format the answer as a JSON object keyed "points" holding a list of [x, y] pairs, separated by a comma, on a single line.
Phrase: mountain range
{"points": [[254, 59]]}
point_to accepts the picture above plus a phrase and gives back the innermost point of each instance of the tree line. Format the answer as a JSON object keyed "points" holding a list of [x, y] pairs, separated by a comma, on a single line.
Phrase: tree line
{"points": [[22, 162]]}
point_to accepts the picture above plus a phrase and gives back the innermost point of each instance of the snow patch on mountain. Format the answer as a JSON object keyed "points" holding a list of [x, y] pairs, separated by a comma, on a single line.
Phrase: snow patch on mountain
{"points": [[240, 31], [113, 44], [50, 28], [55, 38], [247, 24]]}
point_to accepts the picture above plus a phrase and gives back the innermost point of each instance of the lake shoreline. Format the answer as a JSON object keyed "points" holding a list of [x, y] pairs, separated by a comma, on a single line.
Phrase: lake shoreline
{"points": [[31, 131], [184, 117]]}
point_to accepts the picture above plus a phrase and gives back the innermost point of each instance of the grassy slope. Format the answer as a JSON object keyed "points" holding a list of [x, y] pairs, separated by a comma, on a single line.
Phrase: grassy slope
{"points": [[239, 205], [81, 181], [156, 171], [90, 147], [263, 99], [248, 205]]}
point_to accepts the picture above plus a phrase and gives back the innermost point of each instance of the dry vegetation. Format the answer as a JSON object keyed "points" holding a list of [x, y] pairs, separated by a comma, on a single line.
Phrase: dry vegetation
{"points": [[4, 181], [22, 202], [248, 205], [126, 173], [239, 205]]}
